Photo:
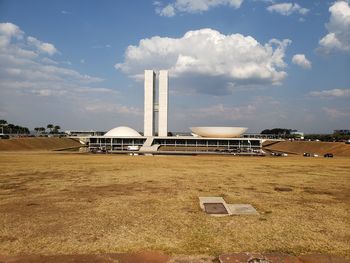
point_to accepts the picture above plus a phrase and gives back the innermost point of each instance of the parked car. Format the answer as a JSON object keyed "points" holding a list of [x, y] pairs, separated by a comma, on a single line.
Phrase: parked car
{"points": [[328, 155], [307, 154], [278, 154], [133, 148]]}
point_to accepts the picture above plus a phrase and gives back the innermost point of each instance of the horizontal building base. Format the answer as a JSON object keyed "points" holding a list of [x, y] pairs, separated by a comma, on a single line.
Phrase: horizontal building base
{"points": [[176, 145]]}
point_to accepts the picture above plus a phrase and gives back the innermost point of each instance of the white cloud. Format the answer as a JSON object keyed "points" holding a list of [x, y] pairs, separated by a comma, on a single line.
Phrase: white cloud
{"points": [[287, 9], [302, 61], [49, 61], [336, 113], [25, 71], [332, 93], [102, 46], [193, 6], [237, 59], [225, 112], [7, 32], [9, 29], [338, 27], [113, 108], [36, 89], [64, 12], [168, 11], [41, 46]]}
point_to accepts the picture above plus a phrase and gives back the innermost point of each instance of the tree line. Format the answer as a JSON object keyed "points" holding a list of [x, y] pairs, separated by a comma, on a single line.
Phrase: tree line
{"points": [[9, 128], [50, 129], [288, 134]]}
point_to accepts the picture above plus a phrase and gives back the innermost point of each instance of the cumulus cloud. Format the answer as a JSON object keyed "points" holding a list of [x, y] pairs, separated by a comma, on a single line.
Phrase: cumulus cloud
{"points": [[113, 108], [302, 61], [336, 113], [7, 32], [35, 88], [225, 112], [41, 46], [237, 59], [28, 71], [338, 27], [332, 93], [287, 9], [168, 11], [193, 6]]}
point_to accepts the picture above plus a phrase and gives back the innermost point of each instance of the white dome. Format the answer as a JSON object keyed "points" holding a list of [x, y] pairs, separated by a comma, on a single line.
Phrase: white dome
{"points": [[122, 131], [218, 132]]}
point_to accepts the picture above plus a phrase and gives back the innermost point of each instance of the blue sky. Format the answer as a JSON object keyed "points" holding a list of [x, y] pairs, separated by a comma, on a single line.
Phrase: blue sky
{"points": [[253, 63]]}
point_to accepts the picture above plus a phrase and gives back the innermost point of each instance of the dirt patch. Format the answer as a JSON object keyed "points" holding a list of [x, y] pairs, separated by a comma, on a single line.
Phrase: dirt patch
{"points": [[142, 257]]}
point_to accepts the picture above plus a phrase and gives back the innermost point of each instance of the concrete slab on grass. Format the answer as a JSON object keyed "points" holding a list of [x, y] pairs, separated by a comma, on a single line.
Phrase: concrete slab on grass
{"points": [[210, 200], [242, 209], [216, 206], [215, 209], [213, 200]]}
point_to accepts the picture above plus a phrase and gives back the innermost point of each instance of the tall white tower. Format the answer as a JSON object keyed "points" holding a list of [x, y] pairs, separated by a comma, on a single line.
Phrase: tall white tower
{"points": [[149, 86], [152, 106], [163, 104]]}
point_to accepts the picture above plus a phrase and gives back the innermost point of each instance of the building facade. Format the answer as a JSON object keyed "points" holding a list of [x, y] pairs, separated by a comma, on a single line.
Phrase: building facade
{"points": [[153, 106]]}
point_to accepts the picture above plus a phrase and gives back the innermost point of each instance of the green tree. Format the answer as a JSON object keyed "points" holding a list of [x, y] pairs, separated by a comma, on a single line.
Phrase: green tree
{"points": [[50, 127], [56, 128], [37, 129], [3, 123], [11, 128], [42, 130]]}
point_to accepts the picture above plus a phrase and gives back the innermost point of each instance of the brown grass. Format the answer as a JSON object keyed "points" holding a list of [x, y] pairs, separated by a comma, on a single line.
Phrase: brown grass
{"points": [[65, 203], [37, 143], [300, 147]]}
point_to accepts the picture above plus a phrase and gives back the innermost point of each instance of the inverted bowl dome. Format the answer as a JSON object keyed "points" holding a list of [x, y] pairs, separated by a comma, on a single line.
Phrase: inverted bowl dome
{"points": [[219, 132], [122, 131]]}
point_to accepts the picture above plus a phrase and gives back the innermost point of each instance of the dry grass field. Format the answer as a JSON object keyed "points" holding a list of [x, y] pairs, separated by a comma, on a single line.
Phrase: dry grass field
{"points": [[37, 144], [67, 203], [320, 148]]}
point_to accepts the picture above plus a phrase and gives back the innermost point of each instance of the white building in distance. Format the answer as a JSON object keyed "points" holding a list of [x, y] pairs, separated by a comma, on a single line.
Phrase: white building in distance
{"points": [[151, 106], [204, 140]]}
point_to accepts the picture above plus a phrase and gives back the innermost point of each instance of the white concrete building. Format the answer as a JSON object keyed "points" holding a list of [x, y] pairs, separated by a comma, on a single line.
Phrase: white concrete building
{"points": [[149, 97], [205, 140], [163, 104], [151, 106]]}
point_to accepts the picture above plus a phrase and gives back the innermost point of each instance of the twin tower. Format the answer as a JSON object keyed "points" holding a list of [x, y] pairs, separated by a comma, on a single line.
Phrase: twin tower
{"points": [[152, 106]]}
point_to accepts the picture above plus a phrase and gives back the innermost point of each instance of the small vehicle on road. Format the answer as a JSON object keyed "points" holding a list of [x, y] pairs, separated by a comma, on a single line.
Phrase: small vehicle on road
{"points": [[328, 155]]}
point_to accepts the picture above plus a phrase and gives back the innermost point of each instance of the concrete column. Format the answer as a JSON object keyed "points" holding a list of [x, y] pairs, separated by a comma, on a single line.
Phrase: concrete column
{"points": [[163, 103], [149, 88]]}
